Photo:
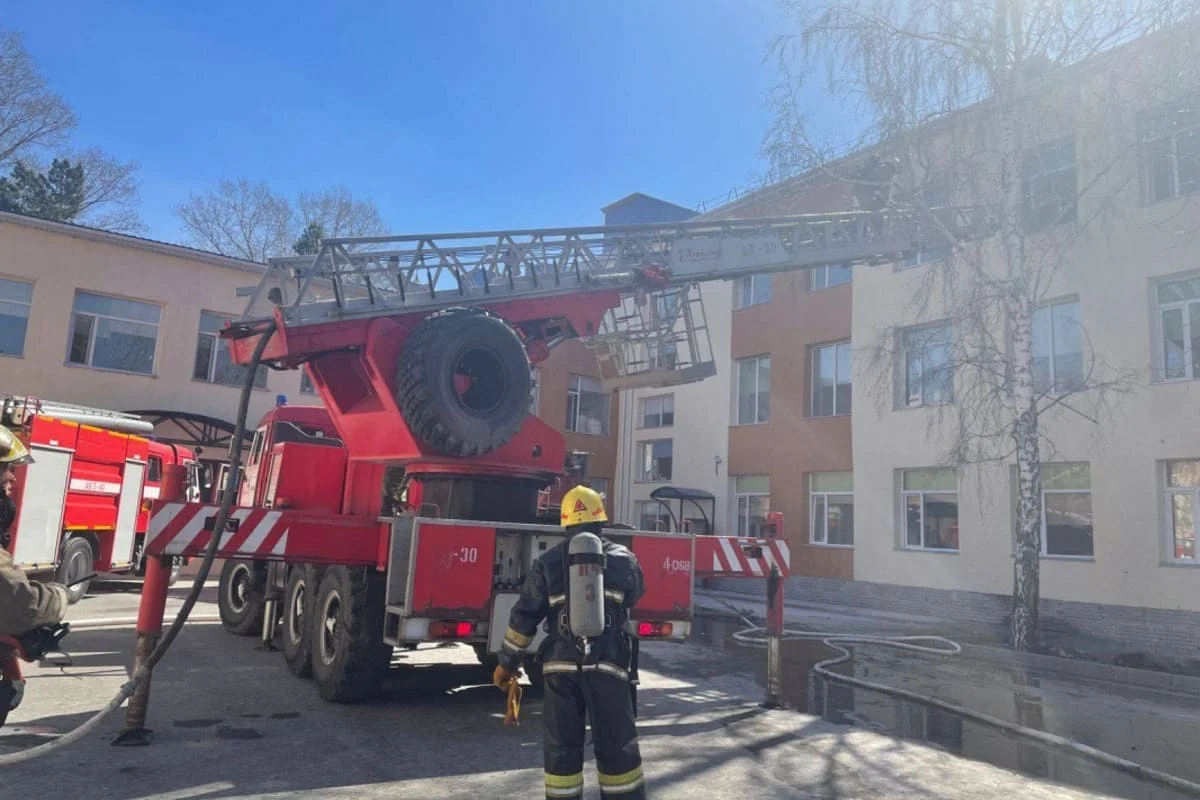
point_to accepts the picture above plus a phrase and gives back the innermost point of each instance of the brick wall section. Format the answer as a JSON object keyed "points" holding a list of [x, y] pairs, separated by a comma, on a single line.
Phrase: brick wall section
{"points": [[1091, 628]]}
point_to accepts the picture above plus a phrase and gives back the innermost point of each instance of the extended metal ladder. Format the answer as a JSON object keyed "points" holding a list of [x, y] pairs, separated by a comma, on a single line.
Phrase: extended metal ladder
{"points": [[17, 411], [661, 341]]}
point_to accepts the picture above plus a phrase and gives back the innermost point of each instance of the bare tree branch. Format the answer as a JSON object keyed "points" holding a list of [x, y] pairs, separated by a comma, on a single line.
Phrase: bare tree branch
{"points": [[31, 115]]}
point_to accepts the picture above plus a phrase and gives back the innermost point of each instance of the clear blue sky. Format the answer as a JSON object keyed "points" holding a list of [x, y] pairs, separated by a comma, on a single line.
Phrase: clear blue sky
{"points": [[449, 114]]}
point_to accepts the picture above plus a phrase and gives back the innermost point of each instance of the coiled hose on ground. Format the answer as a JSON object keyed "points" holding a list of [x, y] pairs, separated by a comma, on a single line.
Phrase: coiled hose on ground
{"points": [[210, 553], [756, 636]]}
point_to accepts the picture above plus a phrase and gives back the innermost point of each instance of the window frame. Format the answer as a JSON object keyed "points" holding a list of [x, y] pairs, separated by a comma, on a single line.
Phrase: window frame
{"points": [[739, 363], [1049, 307], [814, 385], [645, 452], [575, 388], [28, 306], [1032, 221], [663, 399], [816, 284], [737, 505], [1045, 548], [1184, 308], [1150, 133], [813, 493], [904, 396], [90, 356], [745, 291], [260, 379], [1168, 527], [921, 493]]}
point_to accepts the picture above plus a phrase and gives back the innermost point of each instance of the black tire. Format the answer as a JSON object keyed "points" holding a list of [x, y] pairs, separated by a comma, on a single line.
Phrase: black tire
{"points": [[241, 597], [76, 561], [349, 657], [297, 632], [464, 341]]}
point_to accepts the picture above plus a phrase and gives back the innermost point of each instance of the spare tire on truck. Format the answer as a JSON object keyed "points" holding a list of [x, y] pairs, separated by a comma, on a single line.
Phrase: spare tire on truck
{"points": [[463, 382]]}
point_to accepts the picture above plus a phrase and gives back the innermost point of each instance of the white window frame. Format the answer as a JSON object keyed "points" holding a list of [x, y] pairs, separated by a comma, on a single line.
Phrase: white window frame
{"points": [[95, 318], [662, 513], [260, 380], [1146, 137], [905, 494], [666, 403], [905, 398], [1049, 309], [739, 364], [813, 494], [818, 278], [1032, 172], [27, 305], [1184, 309], [746, 289], [575, 388], [1045, 539], [814, 386], [1168, 492], [646, 460], [738, 514]]}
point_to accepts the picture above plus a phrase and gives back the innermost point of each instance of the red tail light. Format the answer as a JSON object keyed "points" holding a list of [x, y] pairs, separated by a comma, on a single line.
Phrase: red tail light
{"points": [[654, 630], [450, 629]]}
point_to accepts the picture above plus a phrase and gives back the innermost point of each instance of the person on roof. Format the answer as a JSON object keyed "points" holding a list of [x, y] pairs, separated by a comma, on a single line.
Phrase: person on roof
{"points": [[24, 604], [581, 684]]}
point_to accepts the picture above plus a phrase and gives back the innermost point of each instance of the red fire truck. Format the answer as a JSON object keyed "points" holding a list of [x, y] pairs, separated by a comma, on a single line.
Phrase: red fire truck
{"points": [[84, 504], [411, 514]]}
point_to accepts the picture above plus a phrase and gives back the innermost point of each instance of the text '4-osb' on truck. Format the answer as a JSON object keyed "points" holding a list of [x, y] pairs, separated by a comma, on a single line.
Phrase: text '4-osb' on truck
{"points": [[411, 512], [83, 505]]}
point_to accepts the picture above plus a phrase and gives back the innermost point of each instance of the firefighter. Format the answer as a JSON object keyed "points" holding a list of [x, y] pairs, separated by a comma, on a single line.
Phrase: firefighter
{"points": [[24, 604], [596, 680]]}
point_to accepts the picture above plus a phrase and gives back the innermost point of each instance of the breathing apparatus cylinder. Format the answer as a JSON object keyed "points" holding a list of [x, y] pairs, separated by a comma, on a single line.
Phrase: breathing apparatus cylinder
{"points": [[585, 585]]}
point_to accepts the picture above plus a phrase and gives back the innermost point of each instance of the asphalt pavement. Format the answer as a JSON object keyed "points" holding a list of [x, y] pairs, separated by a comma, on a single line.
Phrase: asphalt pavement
{"points": [[230, 722]]}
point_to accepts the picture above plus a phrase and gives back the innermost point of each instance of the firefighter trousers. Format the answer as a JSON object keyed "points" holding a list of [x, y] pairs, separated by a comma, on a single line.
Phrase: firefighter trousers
{"points": [[571, 700]]}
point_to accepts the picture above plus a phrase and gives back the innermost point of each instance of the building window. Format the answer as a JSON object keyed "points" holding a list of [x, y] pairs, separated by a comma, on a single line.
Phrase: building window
{"points": [[587, 406], [306, 386], [824, 277], [1170, 152], [1183, 502], [929, 509], [664, 355], [1067, 510], [653, 516], [831, 387], [831, 508], [753, 390], [1057, 348], [600, 486], [213, 361], [654, 459], [16, 298], [658, 411], [1049, 185], [1179, 319], [752, 290], [928, 367], [751, 502], [535, 390], [110, 333]]}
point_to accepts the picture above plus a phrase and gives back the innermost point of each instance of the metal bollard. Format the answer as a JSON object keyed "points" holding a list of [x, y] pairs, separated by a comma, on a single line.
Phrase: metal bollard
{"points": [[149, 629], [774, 698]]}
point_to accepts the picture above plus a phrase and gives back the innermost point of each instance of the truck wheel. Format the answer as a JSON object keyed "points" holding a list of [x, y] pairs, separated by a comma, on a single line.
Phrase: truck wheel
{"points": [[297, 631], [463, 382], [241, 597], [349, 657], [77, 560]]}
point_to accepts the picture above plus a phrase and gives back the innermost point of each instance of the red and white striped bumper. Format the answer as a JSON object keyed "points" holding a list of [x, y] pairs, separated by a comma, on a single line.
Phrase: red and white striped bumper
{"points": [[733, 557]]}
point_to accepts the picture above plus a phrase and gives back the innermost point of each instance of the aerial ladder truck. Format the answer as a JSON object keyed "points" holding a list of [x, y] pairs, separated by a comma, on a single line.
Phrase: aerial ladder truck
{"points": [[410, 516]]}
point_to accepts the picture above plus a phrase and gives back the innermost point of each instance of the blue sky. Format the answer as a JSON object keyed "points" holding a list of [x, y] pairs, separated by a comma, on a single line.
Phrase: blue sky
{"points": [[451, 115]]}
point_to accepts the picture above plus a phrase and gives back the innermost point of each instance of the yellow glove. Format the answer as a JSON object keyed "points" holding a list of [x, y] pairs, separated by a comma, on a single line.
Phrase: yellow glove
{"points": [[506, 680]]}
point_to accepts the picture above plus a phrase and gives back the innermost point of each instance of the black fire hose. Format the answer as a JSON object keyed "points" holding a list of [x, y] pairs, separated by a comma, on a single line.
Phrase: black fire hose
{"points": [[210, 554]]}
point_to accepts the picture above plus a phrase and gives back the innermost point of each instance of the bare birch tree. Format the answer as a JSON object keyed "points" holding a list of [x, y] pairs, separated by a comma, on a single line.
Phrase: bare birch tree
{"points": [[972, 96], [338, 213]]}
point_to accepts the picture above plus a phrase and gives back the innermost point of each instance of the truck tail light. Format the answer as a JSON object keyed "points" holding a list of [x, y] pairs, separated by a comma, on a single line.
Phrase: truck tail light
{"points": [[654, 630], [451, 629]]}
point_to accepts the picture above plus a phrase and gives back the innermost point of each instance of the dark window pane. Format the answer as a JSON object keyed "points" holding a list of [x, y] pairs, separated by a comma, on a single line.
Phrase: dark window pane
{"points": [[844, 373], [204, 350], [941, 521], [14, 320], [840, 516], [912, 520], [126, 346], [1069, 524], [81, 335], [818, 518], [1174, 349]]}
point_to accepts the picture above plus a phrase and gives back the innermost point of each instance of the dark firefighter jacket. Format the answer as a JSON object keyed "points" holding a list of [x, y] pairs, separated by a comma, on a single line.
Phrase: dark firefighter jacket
{"points": [[544, 597]]}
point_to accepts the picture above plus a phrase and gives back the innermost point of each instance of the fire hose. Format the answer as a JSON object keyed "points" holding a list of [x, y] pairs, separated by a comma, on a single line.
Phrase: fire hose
{"points": [[756, 636], [210, 553]]}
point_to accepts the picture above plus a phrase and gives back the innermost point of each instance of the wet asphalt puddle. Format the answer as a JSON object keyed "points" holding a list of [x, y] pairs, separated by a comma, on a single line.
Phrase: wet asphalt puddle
{"points": [[1159, 732]]}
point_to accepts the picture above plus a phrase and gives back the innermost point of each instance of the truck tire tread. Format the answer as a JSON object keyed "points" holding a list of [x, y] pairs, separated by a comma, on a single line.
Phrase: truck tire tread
{"points": [[360, 668]]}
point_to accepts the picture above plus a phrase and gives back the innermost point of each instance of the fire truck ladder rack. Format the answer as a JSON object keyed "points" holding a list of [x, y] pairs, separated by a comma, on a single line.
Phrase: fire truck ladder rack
{"points": [[17, 411], [641, 343]]}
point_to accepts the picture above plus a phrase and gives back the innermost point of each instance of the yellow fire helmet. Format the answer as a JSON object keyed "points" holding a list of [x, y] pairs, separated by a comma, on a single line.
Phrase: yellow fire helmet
{"points": [[12, 452], [582, 506]]}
